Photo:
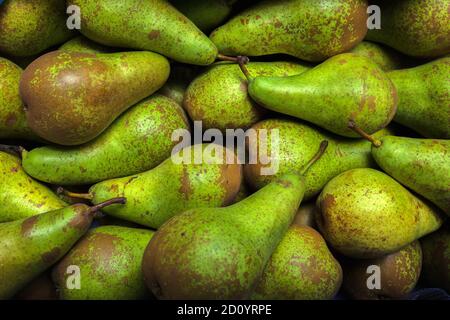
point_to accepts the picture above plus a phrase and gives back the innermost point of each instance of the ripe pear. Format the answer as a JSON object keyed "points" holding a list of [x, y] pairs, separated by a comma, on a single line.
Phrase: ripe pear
{"points": [[424, 100], [41, 288], [306, 215], [85, 45], [296, 145], [345, 87], [220, 253], [21, 196], [436, 259], [28, 27], [72, 97], [364, 213], [153, 25], [219, 97], [30, 246], [110, 260], [418, 28], [172, 188], [307, 29], [13, 123], [386, 58], [138, 141], [301, 268], [398, 272]]}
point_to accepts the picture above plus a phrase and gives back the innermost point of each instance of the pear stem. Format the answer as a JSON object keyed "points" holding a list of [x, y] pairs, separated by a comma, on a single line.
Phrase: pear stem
{"points": [[17, 150], [352, 125], [65, 192], [323, 147], [241, 60], [102, 205]]}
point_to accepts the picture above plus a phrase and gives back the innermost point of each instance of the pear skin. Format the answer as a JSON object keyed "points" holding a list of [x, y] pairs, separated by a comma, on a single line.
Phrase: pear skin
{"points": [[306, 215], [386, 58], [41, 288], [85, 45]]}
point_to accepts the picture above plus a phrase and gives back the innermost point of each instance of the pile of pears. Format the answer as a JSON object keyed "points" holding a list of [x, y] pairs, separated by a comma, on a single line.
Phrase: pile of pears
{"points": [[94, 206]]}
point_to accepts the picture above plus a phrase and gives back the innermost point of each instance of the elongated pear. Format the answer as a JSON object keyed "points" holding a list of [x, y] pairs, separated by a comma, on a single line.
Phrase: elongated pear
{"points": [[424, 100], [21, 196], [307, 29], [364, 213], [72, 97], [138, 141], [153, 25], [220, 253], [219, 97], [343, 88], [30, 246], [110, 260], [301, 268], [385, 57], [28, 27], [417, 28]]}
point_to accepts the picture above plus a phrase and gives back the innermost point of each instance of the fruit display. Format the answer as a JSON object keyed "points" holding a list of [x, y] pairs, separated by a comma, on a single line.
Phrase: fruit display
{"points": [[224, 149]]}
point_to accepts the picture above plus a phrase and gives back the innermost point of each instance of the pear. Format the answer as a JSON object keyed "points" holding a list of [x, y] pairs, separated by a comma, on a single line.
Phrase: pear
{"points": [[21, 196], [306, 29], [171, 188], [424, 99], [41, 288], [364, 213], [85, 45], [72, 97], [218, 97], [30, 246], [181, 76], [345, 87], [436, 259], [13, 123], [152, 25], [110, 260], [220, 253], [28, 27], [138, 141], [398, 273], [306, 215], [418, 28], [386, 58], [301, 268], [295, 147]]}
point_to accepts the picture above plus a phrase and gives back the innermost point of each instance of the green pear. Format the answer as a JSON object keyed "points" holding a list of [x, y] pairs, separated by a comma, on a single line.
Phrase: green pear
{"points": [[20, 196], [41, 288], [398, 273], [171, 188], [345, 87], [138, 141], [364, 213], [424, 99], [301, 268], [436, 258], [72, 97], [110, 260], [220, 253], [28, 27], [386, 58], [219, 98], [418, 28], [296, 146], [306, 215], [181, 76], [85, 45], [152, 25], [30, 246], [307, 29], [13, 123]]}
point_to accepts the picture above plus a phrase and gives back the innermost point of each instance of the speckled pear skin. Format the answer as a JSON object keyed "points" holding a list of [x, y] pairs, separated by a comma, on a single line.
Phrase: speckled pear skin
{"points": [[205, 14], [157, 195], [85, 45], [301, 268], [422, 165], [296, 147], [21, 196], [13, 123], [306, 29], [29, 27], [418, 28], [436, 258], [72, 97], [138, 141], [110, 260], [219, 97], [399, 273], [386, 58], [152, 25], [343, 88], [424, 98], [364, 213]]}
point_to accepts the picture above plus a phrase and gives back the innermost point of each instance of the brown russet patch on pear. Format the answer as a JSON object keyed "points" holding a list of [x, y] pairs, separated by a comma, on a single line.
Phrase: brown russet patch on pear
{"points": [[82, 218], [230, 179], [27, 226], [185, 188], [11, 119], [154, 34], [51, 256]]}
